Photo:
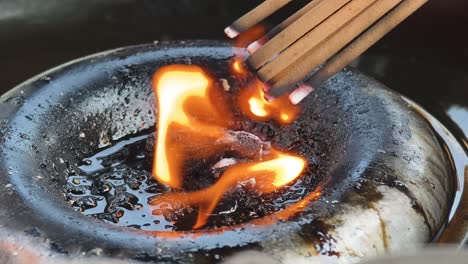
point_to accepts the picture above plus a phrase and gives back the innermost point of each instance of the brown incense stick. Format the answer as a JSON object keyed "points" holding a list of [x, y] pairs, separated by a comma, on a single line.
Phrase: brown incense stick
{"points": [[357, 47], [298, 70], [276, 30], [313, 37], [293, 32], [254, 17]]}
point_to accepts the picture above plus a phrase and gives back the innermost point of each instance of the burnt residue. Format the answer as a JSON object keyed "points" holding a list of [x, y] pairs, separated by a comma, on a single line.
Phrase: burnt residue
{"points": [[320, 235], [385, 176], [383, 227], [366, 193], [418, 208]]}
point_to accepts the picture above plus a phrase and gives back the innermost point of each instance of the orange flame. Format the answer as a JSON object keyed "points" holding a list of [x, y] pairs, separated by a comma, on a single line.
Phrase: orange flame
{"points": [[242, 41], [237, 67], [268, 176], [253, 100], [176, 87], [190, 122], [254, 104]]}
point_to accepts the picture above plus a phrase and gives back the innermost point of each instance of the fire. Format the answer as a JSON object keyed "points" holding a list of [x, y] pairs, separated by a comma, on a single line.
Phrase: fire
{"points": [[191, 120], [266, 176], [253, 101], [254, 104], [244, 39], [237, 67], [175, 86]]}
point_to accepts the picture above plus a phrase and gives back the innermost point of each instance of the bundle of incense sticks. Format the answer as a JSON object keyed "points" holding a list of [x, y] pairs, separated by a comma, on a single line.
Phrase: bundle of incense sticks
{"points": [[325, 33]]}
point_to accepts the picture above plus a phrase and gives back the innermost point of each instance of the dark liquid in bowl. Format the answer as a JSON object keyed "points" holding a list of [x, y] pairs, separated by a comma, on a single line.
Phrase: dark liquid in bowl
{"points": [[115, 184]]}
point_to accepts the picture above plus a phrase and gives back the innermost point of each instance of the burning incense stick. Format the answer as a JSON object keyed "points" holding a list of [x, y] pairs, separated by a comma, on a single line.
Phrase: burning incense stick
{"points": [[276, 30], [296, 30], [316, 33], [254, 17], [357, 47], [315, 40], [298, 70]]}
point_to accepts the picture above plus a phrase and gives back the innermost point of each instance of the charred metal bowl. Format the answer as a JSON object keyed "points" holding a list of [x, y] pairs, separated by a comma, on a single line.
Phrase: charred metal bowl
{"points": [[389, 182]]}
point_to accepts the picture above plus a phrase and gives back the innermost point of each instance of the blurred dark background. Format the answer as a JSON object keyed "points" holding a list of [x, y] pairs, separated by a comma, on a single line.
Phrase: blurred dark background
{"points": [[425, 58]]}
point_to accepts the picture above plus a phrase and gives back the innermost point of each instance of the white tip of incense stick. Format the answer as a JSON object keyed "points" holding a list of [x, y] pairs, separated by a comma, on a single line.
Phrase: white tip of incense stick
{"points": [[252, 48], [230, 32], [265, 87], [269, 98], [300, 93]]}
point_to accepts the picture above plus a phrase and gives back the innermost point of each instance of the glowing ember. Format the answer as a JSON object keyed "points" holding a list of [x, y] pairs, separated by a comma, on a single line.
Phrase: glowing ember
{"points": [[253, 100], [254, 104], [243, 40], [190, 127], [257, 107], [237, 67]]}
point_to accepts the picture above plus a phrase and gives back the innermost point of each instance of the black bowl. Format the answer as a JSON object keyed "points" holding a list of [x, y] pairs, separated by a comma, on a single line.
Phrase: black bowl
{"points": [[382, 167]]}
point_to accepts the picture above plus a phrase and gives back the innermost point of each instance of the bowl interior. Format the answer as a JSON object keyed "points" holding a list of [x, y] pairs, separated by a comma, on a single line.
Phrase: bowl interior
{"points": [[61, 116]]}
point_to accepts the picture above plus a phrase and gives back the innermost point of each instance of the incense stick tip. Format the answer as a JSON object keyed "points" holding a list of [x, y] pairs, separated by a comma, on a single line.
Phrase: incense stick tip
{"points": [[252, 48], [230, 32], [300, 93]]}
